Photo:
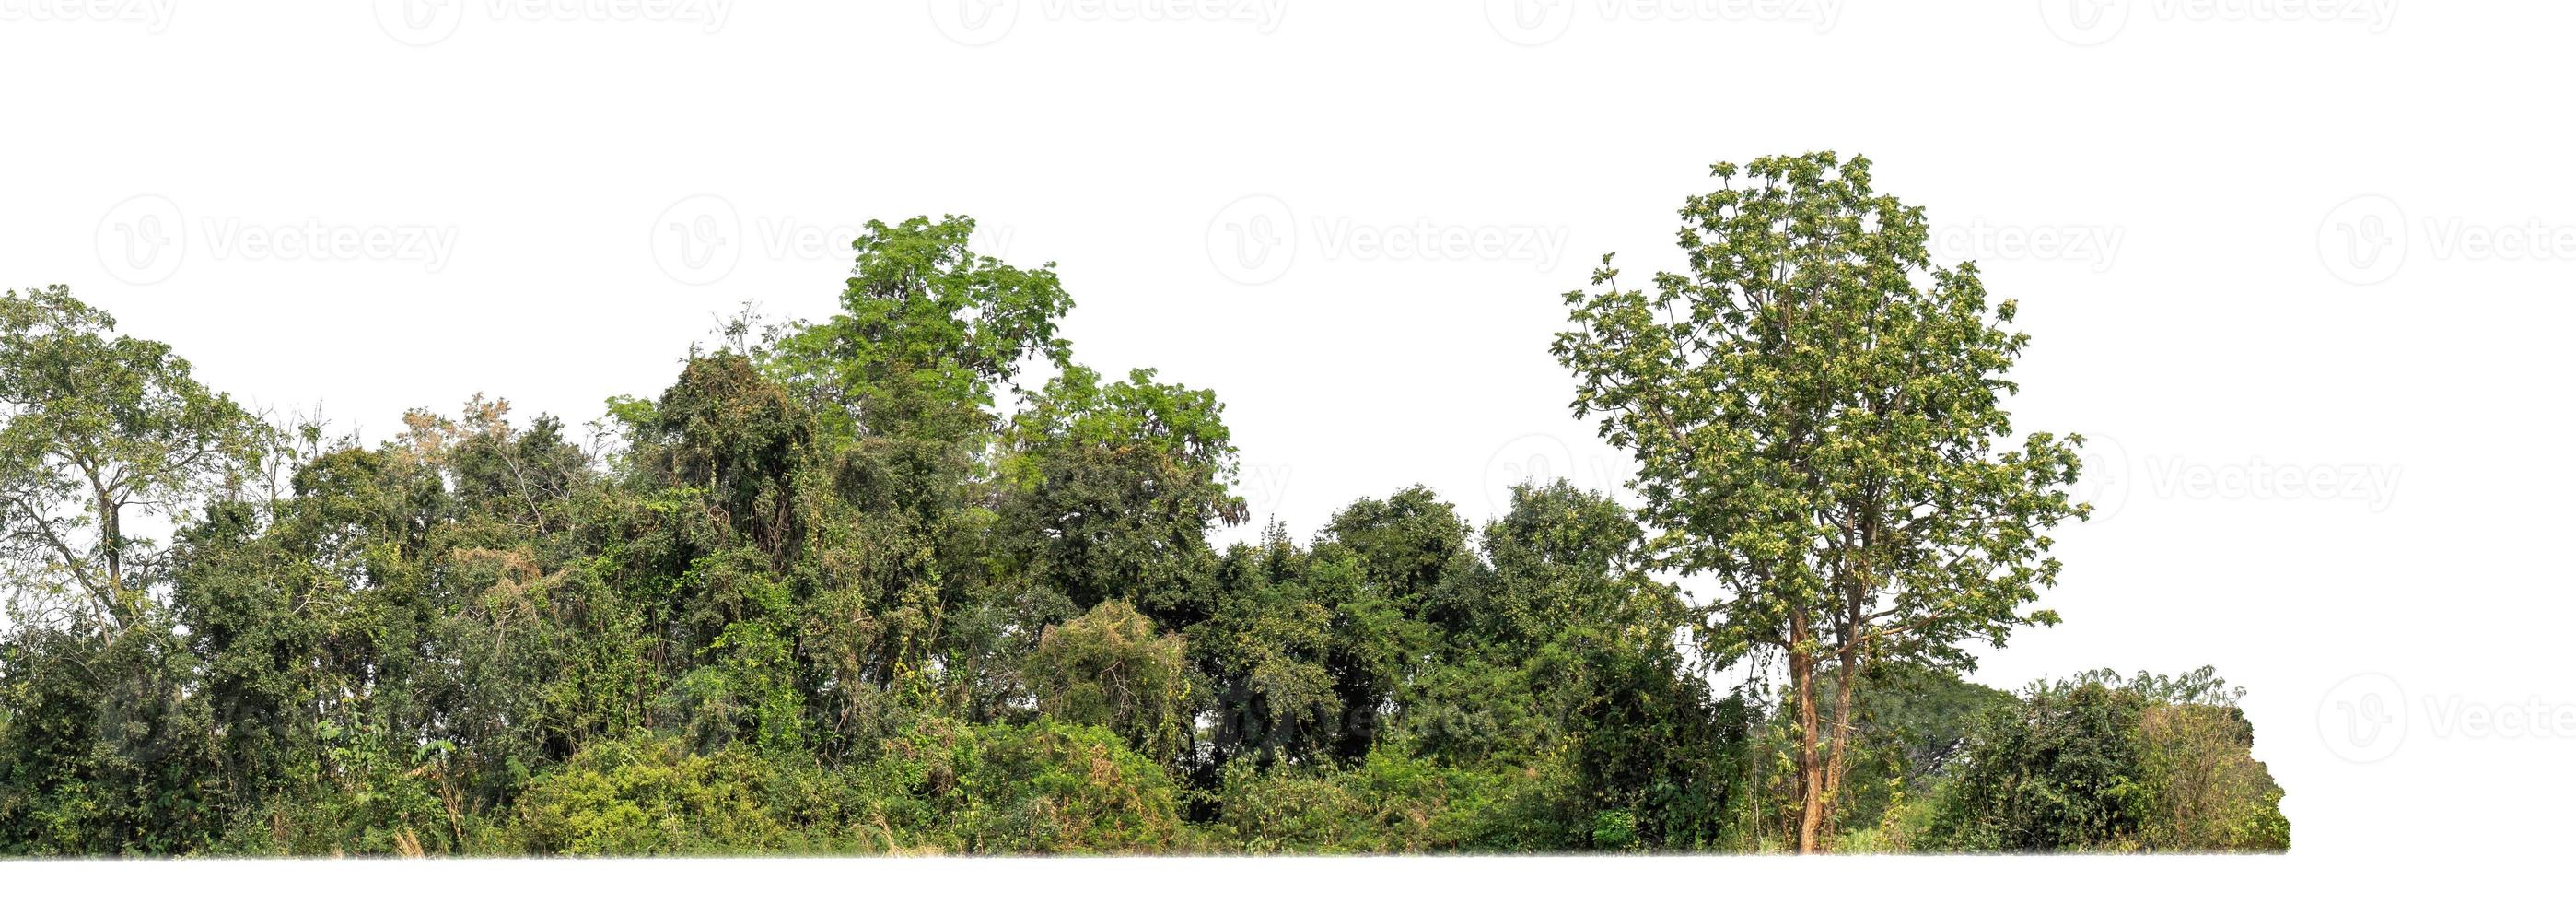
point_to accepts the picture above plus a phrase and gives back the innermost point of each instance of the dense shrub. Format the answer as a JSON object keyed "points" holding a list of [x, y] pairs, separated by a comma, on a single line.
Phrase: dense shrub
{"points": [[651, 796], [1045, 787], [854, 586], [2099, 763], [1389, 802], [1112, 668]]}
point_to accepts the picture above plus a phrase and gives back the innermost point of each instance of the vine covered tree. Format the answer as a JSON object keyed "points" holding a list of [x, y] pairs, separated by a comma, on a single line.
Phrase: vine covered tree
{"points": [[96, 428], [1817, 416], [915, 578]]}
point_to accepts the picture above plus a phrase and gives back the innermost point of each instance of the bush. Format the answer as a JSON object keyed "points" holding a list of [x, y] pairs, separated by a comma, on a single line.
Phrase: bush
{"points": [[2209, 792], [651, 796], [1388, 802], [1112, 668], [2099, 763], [1046, 787]]}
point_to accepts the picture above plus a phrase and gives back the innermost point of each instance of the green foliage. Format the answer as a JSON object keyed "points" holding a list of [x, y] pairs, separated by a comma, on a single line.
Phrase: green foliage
{"points": [[2207, 791], [652, 797], [1913, 725], [1388, 802], [1113, 489], [1817, 416], [1264, 650], [834, 590], [1041, 788], [102, 752], [928, 329], [1111, 668], [95, 429], [2097, 763]]}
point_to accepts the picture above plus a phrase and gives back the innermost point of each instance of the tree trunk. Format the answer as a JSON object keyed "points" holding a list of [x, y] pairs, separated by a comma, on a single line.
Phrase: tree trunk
{"points": [[111, 538], [1811, 783], [1841, 735]]}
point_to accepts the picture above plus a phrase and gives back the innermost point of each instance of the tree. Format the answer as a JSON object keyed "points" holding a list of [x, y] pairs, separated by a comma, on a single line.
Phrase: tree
{"points": [[1111, 489], [1649, 752], [855, 588], [1264, 652], [2098, 762], [96, 428], [928, 329], [1112, 668], [1816, 412]]}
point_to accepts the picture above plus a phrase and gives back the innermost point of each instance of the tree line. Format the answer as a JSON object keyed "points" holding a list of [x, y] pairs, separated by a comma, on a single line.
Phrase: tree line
{"points": [[913, 579]]}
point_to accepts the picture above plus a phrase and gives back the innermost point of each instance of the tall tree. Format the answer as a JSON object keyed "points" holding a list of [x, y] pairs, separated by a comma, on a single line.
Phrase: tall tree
{"points": [[95, 429], [1817, 415], [1110, 489], [928, 330]]}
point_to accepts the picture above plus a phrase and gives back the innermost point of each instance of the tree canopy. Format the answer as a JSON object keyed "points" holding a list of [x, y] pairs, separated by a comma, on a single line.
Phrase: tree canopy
{"points": [[914, 578], [1817, 416]]}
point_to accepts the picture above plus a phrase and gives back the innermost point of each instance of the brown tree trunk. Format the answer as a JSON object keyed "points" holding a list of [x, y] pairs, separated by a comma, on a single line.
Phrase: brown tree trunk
{"points": [[1841, 735], [1811, 783], [111, 538]]}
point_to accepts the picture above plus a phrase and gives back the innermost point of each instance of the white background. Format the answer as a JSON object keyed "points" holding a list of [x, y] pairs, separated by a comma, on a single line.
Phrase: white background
{"points": [[2298, 269]]}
